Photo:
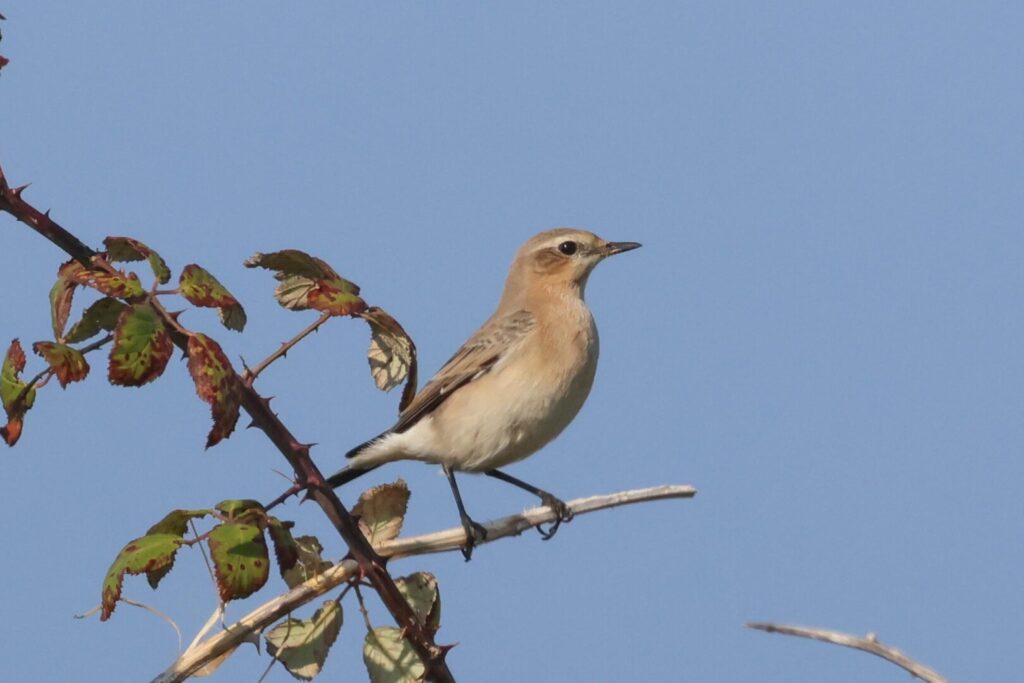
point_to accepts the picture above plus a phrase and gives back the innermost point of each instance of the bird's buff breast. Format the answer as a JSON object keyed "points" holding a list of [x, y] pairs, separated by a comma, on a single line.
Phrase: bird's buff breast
{"points": [[522, 404]]}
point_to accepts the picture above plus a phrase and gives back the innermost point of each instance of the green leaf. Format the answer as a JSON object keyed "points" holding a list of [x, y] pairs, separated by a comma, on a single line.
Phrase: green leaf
{"points": [[392, 354], [176, 522], [240, 559], [142, 347], [381, 511], [302, 645], [309, 564], [216, 383], [420, 591], [390, 658], [68, 364], [309, 282], [61, 294], [204, 290], [152, 554], [101, 315], [117, 284], [17, 397], [128, 249], [285, 548], [236, 509]]}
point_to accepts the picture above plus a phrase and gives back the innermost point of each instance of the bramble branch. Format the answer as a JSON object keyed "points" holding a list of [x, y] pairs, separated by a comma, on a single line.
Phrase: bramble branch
{"points": [[296, 452], [869, 644], [249, 376], [203, 653]]}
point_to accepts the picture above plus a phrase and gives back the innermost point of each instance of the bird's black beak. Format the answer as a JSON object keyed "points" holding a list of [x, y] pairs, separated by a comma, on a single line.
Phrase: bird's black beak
{"points": [[618, 247]]}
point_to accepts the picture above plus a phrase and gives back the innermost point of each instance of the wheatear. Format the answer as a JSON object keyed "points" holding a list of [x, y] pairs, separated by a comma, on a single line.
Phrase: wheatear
{"points": [[515, 384]]}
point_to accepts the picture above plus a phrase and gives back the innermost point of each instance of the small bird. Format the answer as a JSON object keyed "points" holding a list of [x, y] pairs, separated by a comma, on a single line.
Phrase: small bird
{"points": [[514, 385]]}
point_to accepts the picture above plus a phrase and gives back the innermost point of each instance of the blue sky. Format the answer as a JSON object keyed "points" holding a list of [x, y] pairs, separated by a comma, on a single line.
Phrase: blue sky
{"points": [[822, 332]]}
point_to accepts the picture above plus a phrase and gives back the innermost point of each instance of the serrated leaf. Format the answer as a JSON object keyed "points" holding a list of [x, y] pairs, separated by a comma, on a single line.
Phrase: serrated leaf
{"points": [[236, 509], [240, 559], [68, 364], [309, 282], [117, 284], [61, 295], [389, 657], [285, 548], [216, 383], [309, 564], [302, 645], [381, 511], [150, 553], [392, 354], [101, 315], [142, 347], [128, 249], [420, 591], [17, 397], [202, 289]]}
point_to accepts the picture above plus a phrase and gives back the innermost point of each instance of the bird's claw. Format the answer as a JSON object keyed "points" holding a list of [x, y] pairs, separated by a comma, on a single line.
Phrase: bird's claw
{"points": [[563, 514], [475, 533]]}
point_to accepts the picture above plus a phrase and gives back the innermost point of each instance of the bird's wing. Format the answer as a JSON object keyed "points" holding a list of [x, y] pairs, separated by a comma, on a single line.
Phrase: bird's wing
{"points": [[476, 357]]}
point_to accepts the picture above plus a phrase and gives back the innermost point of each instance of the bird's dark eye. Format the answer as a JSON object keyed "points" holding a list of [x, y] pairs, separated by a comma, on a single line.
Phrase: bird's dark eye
{"points": [[568, 248]]}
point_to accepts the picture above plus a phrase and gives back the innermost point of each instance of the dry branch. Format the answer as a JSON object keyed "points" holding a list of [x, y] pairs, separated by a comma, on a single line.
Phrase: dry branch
{"points": [[869, 644], [202, 653]]}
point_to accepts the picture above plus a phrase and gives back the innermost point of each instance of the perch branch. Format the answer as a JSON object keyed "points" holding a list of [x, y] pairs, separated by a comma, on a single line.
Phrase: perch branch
{"points": [[200, 654], [869, 644], [294, 451]]}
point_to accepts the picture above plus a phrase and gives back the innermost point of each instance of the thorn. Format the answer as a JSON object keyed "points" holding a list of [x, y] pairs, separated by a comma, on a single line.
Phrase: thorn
{"points": [[173, 315], [252, 425], [46, 213], [308, 446], [18, 190], [445, 649]]}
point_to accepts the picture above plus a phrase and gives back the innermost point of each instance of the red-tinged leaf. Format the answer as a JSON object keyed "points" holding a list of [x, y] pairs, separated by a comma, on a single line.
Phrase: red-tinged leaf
{"points": [[68, 364], [240, 560], [142, 347], [309, 282], [392, 354], [202, 289], [381, 511], [101, 315], [117, 284], [216, 383], [285, 548], [61, 294], [150, 554], [128, 249], [16, 395]]}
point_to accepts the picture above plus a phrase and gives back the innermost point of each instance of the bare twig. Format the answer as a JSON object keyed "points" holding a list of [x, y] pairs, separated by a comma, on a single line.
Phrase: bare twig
{"points": [[441, 541], [249, 376], [294, 451], [869, 644]]}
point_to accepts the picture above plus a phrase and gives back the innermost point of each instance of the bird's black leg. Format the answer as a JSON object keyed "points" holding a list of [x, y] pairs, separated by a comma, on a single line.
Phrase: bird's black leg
{"points": [[564, 514], [475, 533]]}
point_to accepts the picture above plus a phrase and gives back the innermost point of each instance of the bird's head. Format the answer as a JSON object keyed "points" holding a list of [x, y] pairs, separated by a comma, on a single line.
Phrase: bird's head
{"points": [[563, 257]]}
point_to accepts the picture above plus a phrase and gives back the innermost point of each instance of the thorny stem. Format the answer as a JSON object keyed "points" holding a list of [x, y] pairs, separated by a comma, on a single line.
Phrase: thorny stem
{"points": [[249, 376], [294, 451]]}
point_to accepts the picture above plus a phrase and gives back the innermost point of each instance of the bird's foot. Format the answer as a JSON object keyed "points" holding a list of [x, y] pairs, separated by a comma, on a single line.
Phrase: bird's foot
{"points": [[562, 511], [475, 533]]}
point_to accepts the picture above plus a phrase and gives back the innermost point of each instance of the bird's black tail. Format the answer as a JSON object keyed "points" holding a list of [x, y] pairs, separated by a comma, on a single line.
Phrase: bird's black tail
{"points": [[347, 474]]}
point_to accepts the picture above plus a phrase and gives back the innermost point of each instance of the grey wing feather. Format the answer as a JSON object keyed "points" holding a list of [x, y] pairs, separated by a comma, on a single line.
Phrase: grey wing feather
{"points": [[476, 357]]}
